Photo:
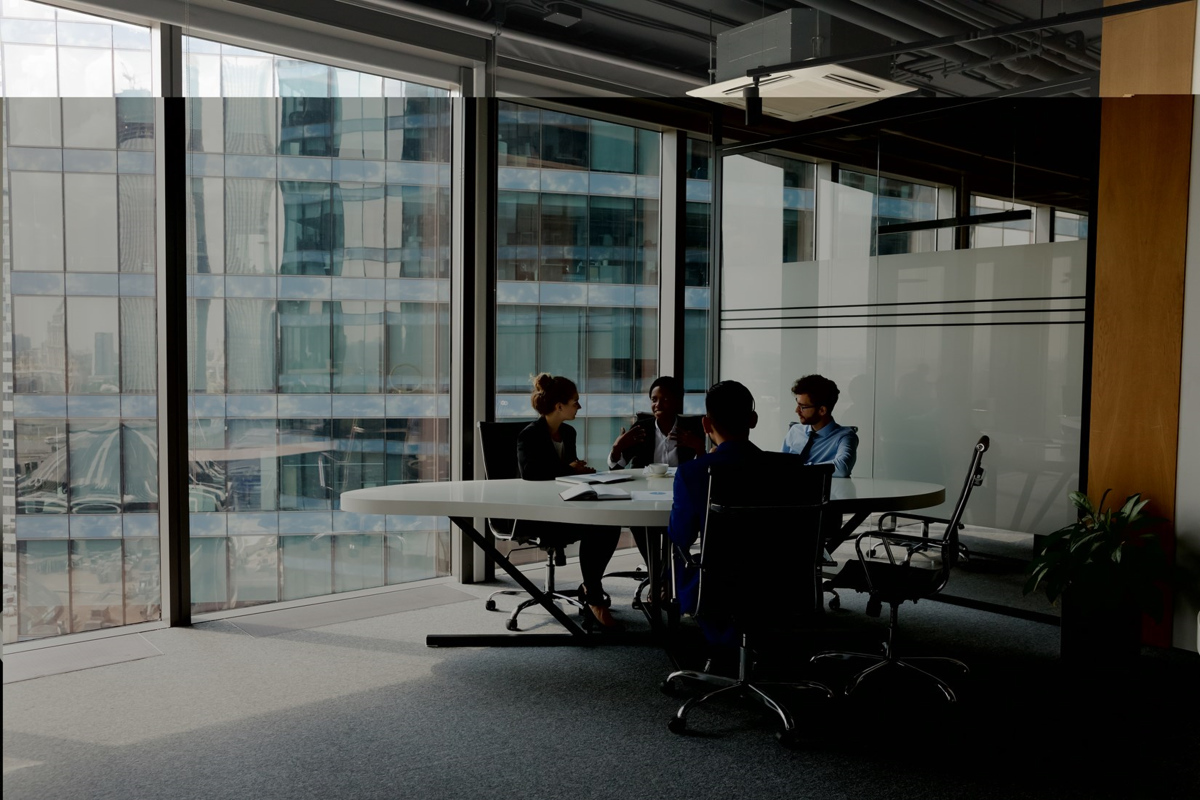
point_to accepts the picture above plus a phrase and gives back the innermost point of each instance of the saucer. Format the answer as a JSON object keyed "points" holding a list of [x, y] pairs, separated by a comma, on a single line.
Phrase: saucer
{"points": [[647, 474]]}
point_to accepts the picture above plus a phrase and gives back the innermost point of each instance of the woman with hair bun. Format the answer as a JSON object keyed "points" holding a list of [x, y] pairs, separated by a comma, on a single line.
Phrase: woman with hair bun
{"points": [[545, 451]]}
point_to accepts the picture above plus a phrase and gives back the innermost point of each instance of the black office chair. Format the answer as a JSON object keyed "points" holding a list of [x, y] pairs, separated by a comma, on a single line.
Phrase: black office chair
{"points": [[834, 525], [759, 569], [498, 440], [894, 583]]}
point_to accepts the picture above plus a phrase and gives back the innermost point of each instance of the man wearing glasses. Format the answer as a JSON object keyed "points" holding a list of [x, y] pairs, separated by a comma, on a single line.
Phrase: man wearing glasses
{"points": [[818, 439]]}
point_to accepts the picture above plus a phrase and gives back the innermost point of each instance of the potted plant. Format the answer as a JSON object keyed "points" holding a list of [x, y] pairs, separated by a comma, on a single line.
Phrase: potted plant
{"points": [[1109, 568]]}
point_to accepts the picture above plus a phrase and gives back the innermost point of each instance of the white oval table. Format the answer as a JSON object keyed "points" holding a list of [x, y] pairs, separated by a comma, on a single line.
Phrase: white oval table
{"points": [[462, 501]]}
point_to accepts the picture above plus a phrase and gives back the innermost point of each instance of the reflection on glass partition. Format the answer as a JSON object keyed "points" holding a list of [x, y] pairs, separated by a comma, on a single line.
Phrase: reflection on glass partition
{"points": [[1000, 234], [80, 438], [318, 323], [577, 265]]}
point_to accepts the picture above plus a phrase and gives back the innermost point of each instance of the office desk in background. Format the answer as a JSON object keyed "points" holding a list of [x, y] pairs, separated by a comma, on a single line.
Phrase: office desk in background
{"points": [[463, 501]]}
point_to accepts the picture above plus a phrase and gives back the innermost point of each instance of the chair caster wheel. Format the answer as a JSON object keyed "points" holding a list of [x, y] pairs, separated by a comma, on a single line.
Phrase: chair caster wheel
{"points": [[677, 725], [511, 625], [834, 603], [787, 739], [490, 605]]}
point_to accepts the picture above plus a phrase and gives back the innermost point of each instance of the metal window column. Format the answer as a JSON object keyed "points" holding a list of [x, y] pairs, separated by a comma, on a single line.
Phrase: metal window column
{"points": [[672, 252], [471, 311], [715, 256], [171, 208]]}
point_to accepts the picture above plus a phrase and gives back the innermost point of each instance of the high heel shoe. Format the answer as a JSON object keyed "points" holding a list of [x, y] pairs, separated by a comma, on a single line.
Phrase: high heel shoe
{"points": [[601, 617], [605, 603]]}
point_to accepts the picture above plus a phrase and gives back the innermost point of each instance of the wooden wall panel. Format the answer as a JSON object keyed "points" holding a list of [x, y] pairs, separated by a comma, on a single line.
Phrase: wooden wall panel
{"points": [[1141, 238], [1148, 52]]}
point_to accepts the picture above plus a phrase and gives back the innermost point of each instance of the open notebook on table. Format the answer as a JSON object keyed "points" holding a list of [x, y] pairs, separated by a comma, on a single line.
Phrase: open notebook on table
{"points": [[595, 478], [594, 492]]}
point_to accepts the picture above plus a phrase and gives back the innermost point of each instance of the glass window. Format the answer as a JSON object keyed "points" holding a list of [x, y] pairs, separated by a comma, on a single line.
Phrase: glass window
{"points": [[250, 332], [95, 466], [34, 122], [1000, 234], [90, 123], [139, 348], [307, 464], [143, 593], [519, 136], [251, 465], [565, 142], [564, 226], [206, 466], [205, 225], [300, 196], [358, 236], [250, 127], [897, 201], [39, 345], [516, 347], [93, 347], [561, 342], [250, 226], [206, 345], [97, 574], [304, 358], [416, 342], [517, 239], [135, 222], [139, 453], [41, 455], [695, 350], [90, 203], [1069, 226], [37, 220], [612, 147], [253, 570], [357, 561], [358, 347], [43, 589]]}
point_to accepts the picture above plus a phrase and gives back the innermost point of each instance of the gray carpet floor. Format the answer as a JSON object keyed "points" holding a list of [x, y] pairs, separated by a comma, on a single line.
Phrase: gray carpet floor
{"points": [[360, 708]]}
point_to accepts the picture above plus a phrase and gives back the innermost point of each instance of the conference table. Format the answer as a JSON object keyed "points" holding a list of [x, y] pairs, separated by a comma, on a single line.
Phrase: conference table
{"points": [[463, 501]]}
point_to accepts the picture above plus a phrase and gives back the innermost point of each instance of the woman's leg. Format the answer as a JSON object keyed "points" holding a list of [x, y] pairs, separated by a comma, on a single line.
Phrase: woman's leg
{"points": [[596, 547]]}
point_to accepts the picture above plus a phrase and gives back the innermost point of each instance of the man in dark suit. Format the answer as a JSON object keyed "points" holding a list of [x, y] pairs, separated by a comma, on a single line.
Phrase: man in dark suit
{"points": [[729, 418], [662, 437]]}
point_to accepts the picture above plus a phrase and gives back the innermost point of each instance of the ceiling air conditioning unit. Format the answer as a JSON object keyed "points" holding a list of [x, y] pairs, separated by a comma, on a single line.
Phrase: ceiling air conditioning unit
{"points": [[800, 94]]}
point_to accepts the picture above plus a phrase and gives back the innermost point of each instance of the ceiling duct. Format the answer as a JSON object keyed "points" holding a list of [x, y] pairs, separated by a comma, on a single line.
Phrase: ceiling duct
{"points": [[793, 35], [800, 94]]}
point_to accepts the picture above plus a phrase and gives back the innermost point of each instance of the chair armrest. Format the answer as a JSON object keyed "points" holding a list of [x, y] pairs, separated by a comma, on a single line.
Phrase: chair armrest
{"points": [[896, 516], [887, 539]]}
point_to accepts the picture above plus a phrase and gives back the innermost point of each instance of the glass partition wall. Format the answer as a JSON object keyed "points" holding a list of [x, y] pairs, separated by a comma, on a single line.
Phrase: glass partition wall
{"points": [[931, 346]]}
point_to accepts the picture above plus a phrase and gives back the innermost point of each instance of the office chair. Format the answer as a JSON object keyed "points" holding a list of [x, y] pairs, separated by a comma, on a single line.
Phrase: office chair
{"points": [[893, 583], [759, 570], [498, 441]]}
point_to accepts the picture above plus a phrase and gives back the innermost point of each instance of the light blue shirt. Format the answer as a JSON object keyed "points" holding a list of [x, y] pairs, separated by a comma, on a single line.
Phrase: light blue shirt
{"points": [[835, 444]]}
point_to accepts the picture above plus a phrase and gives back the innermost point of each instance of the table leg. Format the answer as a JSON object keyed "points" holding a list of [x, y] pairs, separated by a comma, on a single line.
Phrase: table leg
{"points": [[575, 634]]}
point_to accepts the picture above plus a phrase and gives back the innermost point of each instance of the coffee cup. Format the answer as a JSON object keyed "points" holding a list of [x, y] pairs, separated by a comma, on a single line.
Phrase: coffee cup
{"points": [[656, 469]]}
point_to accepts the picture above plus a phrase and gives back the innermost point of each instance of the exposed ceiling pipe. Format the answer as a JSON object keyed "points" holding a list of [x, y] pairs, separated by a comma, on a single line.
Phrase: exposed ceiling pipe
{"points": [[886, 26], [937, 23], [456, 22], [1056, 43], [902, 32]]}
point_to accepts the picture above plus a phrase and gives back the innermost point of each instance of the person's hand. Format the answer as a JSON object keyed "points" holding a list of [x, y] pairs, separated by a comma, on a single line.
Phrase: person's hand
{"points": [[581, 468], [688, 439], [712, 449], [628, 440]]}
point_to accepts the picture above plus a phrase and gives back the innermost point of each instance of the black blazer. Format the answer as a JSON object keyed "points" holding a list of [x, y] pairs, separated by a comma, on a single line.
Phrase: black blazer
{"points": [[537, 457], [643, 453]]}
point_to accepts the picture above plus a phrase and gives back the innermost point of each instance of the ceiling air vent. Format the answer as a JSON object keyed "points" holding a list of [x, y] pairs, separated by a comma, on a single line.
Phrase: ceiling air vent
{"points": [[806, 93]]}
